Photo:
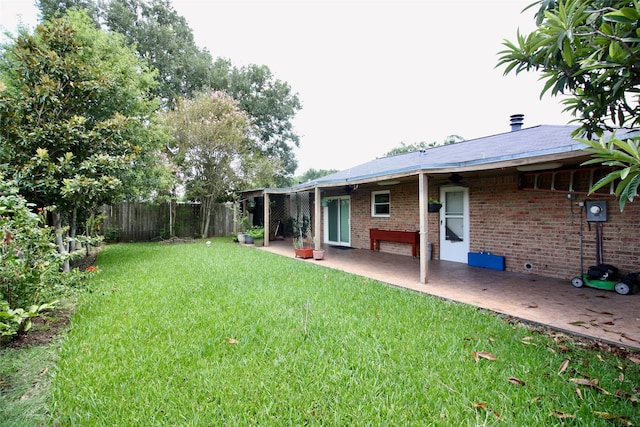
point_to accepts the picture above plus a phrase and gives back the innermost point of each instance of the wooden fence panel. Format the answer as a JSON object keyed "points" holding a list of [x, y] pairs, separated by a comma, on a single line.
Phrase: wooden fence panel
{"points": [[144, 222]]}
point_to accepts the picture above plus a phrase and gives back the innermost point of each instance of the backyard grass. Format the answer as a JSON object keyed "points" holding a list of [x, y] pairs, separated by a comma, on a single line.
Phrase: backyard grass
{"points": [[186, 335]]}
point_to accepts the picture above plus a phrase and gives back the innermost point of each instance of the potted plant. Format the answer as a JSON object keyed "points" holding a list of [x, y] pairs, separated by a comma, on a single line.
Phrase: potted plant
{"points": [[257, 234], [243, 221], [434, 205], [302, 248]]}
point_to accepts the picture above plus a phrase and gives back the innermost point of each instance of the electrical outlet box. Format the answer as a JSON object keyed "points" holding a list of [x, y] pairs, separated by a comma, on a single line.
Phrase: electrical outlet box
{"points": [[596, 211]]}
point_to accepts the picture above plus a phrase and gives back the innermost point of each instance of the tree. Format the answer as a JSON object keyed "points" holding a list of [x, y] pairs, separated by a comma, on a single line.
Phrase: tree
{"points": [[50, 9], [271, 105], [165, 41], [211, 149], [416, 146], [74, 105], [312, 174], [590, 50]]}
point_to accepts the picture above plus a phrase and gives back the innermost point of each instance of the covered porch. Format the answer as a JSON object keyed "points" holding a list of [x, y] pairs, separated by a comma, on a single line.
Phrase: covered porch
{"points": [[553, 302]]}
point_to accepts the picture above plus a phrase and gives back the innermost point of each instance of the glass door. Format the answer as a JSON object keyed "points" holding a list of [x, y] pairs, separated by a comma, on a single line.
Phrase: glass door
{"points": [[337, 215]]}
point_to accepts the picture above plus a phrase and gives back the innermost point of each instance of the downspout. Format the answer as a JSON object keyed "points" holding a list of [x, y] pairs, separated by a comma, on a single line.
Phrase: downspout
{"points": [[317, 240], [423, 194], [267, 219]]}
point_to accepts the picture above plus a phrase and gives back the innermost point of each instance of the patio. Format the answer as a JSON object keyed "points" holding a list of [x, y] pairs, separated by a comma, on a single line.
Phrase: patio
{"points": [[586, 312]]}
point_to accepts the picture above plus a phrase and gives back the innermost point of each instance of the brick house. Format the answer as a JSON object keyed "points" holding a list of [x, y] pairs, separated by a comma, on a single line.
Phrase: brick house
{"points": [[520, 195]]}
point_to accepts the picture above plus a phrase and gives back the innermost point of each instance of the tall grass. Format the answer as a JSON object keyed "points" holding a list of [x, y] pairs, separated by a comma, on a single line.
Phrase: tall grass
{"points": [[227, 335]]}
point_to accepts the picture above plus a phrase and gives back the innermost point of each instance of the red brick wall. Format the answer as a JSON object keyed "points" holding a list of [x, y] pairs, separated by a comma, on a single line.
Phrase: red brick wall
{"points": [[537, 231]]}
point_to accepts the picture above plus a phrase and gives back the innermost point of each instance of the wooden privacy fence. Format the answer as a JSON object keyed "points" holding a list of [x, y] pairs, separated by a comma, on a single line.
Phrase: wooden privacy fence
{"points": [[144, 222]]}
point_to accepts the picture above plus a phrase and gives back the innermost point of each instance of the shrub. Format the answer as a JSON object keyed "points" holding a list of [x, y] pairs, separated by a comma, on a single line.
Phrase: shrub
{"points": [[30, 264]]}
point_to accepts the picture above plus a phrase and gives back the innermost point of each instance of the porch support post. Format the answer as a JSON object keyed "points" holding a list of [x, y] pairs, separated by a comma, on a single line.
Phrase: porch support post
{"points": [[317, 239], [423, 190], [267, 219]]}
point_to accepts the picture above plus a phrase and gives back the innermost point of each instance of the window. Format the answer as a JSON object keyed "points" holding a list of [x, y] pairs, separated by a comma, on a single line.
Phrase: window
{"points": [[380, 203]]}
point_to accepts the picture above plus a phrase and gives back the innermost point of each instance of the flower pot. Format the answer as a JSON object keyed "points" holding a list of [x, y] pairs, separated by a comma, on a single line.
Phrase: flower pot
{"points": [[434, 207], [248, 239], [242, 237], [318, 254], [258, 242], [304, 252]]}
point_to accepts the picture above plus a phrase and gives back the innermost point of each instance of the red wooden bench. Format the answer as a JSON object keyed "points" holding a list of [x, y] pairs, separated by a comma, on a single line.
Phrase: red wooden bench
{"points": [[377, 235]]}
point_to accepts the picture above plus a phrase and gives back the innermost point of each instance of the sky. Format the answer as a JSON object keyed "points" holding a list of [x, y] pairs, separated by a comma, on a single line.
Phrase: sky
{"points": [[372, 74]]}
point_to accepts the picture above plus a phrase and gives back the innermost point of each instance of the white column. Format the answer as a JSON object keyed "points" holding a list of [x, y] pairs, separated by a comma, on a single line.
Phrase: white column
{"points": [[267, 219], [423, 194], [317, 238]]}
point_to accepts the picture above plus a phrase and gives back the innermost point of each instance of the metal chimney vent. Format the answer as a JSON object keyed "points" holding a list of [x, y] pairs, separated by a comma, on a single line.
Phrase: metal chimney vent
{"points": [[517, 120]]}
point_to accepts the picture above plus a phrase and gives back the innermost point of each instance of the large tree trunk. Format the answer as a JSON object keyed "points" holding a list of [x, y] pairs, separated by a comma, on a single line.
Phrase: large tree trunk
{"points": [[73, 227], [206, 216], [57, 226]]}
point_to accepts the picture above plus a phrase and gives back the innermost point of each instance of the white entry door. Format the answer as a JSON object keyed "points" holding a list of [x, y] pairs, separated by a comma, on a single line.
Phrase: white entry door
{"points": [[454, 224]]}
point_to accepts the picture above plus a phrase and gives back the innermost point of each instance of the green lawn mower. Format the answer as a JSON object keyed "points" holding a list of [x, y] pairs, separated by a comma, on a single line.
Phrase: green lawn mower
{"points": [[606, 277], [603, 276]]}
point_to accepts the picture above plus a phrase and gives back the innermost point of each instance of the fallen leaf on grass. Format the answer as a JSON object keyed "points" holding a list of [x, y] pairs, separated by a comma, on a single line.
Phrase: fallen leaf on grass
{"points": [[621, 419], [562, 414], [484, 355], [621, 394], [621, 377], [579, 393], [232, 341], [515, 381], [486, 408], [563, 366], [589, 383], [526, 340]]}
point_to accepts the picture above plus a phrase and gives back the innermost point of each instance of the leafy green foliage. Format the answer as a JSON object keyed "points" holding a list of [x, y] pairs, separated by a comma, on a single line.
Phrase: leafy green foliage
{"points": [[29, 262], [312, 174], [271, 104], [164, 40], [211, 149], [19, 321], [589, 50], [623, 156], [75, 109]]}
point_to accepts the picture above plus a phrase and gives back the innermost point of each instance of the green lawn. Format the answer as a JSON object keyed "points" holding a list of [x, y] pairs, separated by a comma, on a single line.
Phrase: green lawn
{"points": [[185, 335]]}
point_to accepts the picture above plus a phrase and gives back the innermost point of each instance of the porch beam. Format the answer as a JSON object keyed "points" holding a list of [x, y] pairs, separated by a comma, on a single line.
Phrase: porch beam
{"points": [[423, 195], [267, 219], [317, 239]]}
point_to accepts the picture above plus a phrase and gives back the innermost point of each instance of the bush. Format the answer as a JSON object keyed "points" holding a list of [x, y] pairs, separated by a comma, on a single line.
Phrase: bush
{"points": [[30, 265]]}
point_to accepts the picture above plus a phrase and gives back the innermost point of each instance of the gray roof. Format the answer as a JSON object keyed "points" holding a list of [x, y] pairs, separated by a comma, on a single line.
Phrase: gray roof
{"points": [[528, 143], [532, 145]]}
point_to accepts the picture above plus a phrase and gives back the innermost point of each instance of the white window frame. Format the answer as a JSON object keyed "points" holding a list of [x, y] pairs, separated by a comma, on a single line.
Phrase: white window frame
{"points": [[374, 204]]}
